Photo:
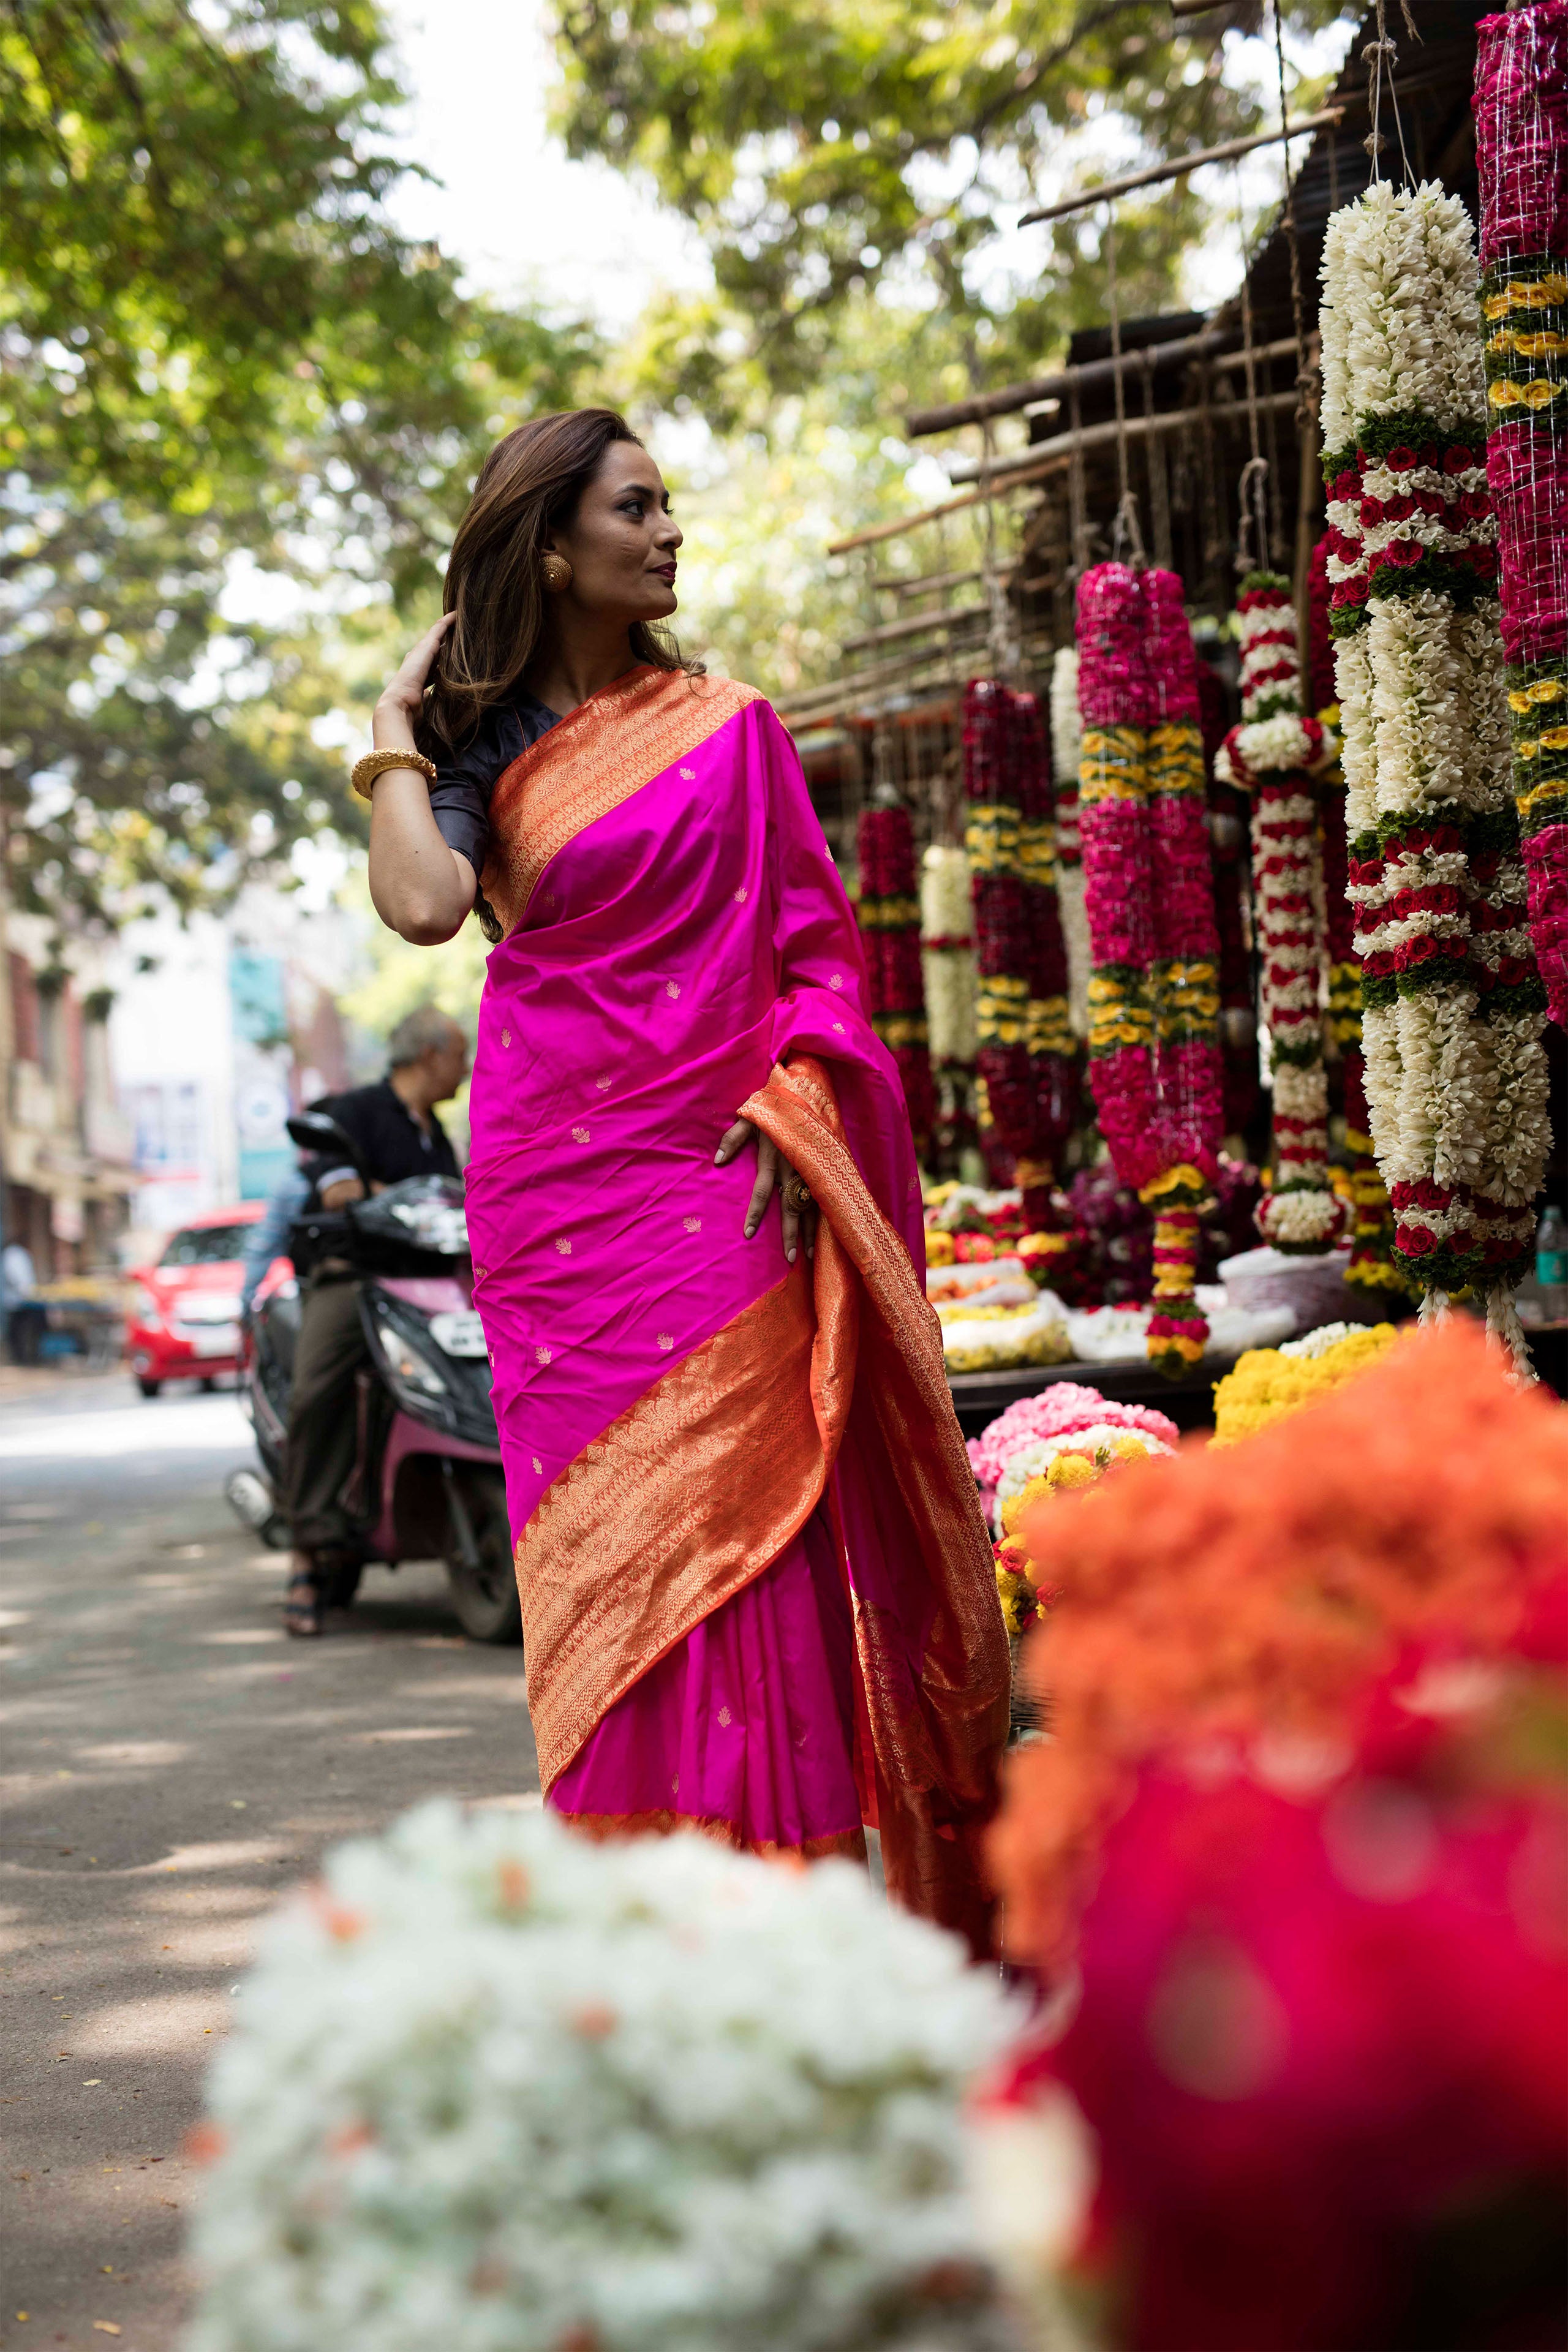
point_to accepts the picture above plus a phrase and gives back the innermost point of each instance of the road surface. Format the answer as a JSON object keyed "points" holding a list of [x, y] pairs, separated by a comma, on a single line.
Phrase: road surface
{"points": [[173, 1764]]}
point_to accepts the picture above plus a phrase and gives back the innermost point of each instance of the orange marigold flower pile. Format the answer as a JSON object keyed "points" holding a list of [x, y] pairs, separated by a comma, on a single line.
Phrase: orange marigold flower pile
{"points": [[1246, 1598]]}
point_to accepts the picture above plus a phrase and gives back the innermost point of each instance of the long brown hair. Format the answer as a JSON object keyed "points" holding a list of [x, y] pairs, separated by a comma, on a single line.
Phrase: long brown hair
{"points": [[529, 486]]}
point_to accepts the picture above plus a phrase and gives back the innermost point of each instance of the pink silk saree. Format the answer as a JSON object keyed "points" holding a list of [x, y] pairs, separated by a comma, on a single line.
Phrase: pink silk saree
{"points": [[757, 1590]]}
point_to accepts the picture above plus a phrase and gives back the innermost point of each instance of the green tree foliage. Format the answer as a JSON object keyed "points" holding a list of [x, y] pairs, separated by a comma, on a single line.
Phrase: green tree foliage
{"points": [[212, 339], [826, 147]]}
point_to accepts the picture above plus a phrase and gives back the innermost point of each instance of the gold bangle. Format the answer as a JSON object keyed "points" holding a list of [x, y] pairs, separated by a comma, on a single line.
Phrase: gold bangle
{"points": [[376, 763]]}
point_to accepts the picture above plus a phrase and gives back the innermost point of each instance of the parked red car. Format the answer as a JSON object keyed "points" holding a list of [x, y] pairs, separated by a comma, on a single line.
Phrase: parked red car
{"points": [[183, 1322]]}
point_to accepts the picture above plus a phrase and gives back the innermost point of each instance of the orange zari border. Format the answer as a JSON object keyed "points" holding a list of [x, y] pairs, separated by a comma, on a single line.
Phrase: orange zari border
{"points": [[589, 762], [695, 1490]]}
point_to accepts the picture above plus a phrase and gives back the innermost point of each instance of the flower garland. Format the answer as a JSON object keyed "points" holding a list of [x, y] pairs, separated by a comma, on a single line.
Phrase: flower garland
{"points": [[1025, 1053], [1372, 1265], [1453, 1006], [1273, 753], [1066, 749], [1521, 146], [889, 925], [1230, 858], [1153, 998], [947, 957]]}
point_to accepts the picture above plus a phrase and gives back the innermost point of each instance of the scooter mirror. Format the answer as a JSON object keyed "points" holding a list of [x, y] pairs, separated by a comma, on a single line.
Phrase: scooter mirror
{"points": [[313, 1130]]}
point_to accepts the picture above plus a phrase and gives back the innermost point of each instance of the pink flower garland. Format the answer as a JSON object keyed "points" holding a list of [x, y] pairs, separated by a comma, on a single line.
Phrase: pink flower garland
{"points": [[1522, 141], [1154, 997]]}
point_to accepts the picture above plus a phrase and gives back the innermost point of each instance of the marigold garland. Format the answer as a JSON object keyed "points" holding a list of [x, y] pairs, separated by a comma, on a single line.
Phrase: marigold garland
{"points": [[1154, 997], [1453, 1006], [1274, 753], [890, 929], [1521, 149]]}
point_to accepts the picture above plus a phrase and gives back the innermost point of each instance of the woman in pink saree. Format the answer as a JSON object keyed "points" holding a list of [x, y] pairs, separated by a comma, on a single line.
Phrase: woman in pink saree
{"points": [[757, 1592]]}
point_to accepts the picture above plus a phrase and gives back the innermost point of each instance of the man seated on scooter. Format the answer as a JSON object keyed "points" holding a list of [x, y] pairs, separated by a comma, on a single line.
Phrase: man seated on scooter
{"points": [[396, 1133]]}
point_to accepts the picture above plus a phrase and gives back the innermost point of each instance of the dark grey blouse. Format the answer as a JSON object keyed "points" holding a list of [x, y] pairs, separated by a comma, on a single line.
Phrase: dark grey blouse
{"points": [[460, 796]]}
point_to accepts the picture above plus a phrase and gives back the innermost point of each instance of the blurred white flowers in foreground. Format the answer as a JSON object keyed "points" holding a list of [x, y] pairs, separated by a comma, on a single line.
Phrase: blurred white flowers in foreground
{"points": [[495, 2088]]}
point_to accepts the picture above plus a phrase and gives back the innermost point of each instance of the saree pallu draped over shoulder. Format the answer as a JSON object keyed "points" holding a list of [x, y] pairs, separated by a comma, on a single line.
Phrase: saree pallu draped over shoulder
{"points": [[757, 1589]]}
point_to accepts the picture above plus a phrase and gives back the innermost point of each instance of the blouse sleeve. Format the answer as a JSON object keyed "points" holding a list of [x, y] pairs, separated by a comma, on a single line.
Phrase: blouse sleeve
{"points": [[461, 796]]}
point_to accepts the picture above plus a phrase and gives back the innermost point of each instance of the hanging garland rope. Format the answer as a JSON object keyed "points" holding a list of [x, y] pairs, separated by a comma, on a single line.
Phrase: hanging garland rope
{"points": [[1372, 1267], [1067, 747], [1274, 754], [1521, 147], [1153, 998], [1453, 1006], [889, 924]]}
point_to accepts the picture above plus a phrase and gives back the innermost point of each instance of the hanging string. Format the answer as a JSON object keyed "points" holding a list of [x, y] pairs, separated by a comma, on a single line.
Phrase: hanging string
{"points": [[1125, 530], [1159, 484], [1378, 56], [1078, 506], [1306, 382], [1254, 483]]}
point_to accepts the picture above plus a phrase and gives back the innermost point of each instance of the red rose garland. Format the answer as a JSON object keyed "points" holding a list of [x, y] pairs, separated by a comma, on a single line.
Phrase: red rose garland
{"points": [[890, 933], [1521, 147], [1153, 999]]}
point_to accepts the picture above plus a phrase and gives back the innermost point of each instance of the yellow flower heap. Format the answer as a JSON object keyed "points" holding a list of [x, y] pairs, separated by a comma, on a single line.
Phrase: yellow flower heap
{"points": [[1271, 1382], [1017, 1578]]}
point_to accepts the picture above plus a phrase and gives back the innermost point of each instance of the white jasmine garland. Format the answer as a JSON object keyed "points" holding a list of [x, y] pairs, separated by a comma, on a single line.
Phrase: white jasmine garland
{"points": [[1456, 1082], [500, 2089], [1066, 749], [951, 973], [1318, 1342], [1303, 1220], [1271, 744]]}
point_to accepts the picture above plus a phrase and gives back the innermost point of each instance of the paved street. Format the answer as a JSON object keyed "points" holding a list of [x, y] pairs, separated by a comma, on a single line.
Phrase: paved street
{"points": [[171, 1764]]}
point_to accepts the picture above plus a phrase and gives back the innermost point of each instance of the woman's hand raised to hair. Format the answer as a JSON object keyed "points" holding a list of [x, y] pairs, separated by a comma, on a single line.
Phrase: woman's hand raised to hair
{"points": [[773, 1169], [421, 887], [402, 695]]}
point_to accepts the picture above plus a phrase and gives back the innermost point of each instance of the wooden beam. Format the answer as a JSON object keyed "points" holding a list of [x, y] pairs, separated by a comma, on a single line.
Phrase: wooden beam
{"points": [[1049, 457], [915, 626], [1109, 190], [1009, 398], [924, 584], [976, 469]]}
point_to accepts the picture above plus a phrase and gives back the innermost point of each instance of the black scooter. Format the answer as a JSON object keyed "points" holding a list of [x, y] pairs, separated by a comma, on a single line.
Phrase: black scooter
{"points": [[426, 1479]]}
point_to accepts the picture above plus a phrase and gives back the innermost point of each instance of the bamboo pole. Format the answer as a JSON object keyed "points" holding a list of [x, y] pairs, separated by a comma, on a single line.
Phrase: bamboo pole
{"points": [[1109, 190], [1091, 376], [916, 625]]}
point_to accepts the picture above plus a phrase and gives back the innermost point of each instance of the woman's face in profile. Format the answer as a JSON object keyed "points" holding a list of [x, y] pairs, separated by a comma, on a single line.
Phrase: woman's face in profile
{"points": [[621, 542]]}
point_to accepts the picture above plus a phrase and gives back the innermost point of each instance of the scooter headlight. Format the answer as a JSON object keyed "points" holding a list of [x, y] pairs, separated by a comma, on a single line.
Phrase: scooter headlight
{"points": [[409, 1363]]}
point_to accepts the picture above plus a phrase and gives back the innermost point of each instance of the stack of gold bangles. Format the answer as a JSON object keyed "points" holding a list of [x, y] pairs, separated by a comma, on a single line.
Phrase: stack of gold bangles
{"points": [[376, 763]]}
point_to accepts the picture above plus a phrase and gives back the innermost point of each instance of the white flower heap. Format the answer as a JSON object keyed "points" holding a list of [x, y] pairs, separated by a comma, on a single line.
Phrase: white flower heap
{"points": [[494, 2088], [1273, 754], [1066, 749], [1453, 1006]]}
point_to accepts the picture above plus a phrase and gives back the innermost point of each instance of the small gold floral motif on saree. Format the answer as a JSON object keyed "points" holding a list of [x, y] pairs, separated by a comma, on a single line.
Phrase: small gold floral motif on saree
{"points": [[835, 980], [505, 1038], [564, 1247], [538, 1468], [580, 1135], [672, 988], [725, 1717], [839, 1026], [542, 1355], [742, 895], [666, 1340], [603, 1084], [688, 775], [692, 1224]]}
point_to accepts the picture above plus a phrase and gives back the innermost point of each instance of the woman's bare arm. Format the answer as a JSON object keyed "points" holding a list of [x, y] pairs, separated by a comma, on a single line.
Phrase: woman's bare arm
{"points": [[420, 887]]}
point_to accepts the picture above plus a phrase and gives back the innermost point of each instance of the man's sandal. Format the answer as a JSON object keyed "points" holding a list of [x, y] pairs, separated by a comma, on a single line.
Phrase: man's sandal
{"points": [[301, 1609]]}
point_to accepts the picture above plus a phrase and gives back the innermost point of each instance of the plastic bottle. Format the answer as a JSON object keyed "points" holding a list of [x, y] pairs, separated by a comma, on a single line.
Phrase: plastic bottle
{"points": [[1551, 1263]]}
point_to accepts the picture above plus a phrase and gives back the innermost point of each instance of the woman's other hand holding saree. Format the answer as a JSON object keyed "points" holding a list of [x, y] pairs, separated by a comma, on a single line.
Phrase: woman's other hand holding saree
{"points": [[420, 888], [773, 1169]]}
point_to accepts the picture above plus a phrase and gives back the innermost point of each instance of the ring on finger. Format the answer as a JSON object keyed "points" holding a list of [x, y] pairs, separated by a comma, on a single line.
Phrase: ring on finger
{"points": [[797, 1193]]}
